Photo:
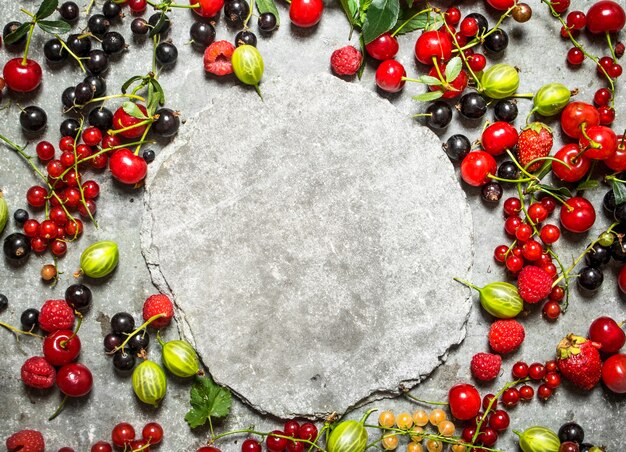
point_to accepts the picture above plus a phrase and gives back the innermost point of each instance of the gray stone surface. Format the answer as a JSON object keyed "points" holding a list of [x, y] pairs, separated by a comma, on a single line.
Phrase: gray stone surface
{"points": [[310, 244]]}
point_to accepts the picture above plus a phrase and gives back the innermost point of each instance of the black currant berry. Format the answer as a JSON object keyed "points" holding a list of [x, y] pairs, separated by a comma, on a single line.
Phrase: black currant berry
{"points": [[17, 247], [618, 251], [98, 24], [69, 11], [491, 192], [505, 110], [10, 28], [83, 93], [472, 106], [166, 53], [167, 124], [20, 216], [508, 170], [497, 41], [149, 155], [97, 83], [68, 96], [69, 127], [113, 43], [457, 147], [620, 213], [101, 117], [138, 342], [122, 322], [80, 46], [123, 361], [78, 296], [483, 24], [590, 278], [202, 34], [608, 202], [245, 37], [235, 11], [598, 256], [111, 10], [586, 447], [4, 302], [159, 26], [98, 62], [33, 119], [112, 341], [267, 22], [139, 26], [440, 115], [29, 319], [54, 51]]}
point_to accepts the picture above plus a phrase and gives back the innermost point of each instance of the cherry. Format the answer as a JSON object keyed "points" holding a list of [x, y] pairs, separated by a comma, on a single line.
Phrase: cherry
{"points": [[45, 151], [499, 420], [519, 370], [101, 446], [251, 445], [59, 349], [464, 401], [208, 8], [608, 333], [74, 380], [452, 89], [476, 168], [551, 310], [579, 164], [389, 76], [152, 432], [498, 137], [614, 373], [274, 443], [607, 115], [501, 5], [306, 13], [469, 27], [605, 16], [22, 78], [307, 431], [575, 114], [121, 120], [549, 234], [36, 196], [431, 45], [127, 167], [577, 215], [383, 47], [452, 15], [602, 142]]}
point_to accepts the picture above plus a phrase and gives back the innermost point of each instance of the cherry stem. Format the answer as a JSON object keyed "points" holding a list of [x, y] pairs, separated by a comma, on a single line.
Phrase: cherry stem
{"points": [[131, 127], [18, 331], [512, 181], [263, 435], [562, 267], [80, 322], [134, 333], [68, 50], [28, 39], [397, 30], [428, 402], [89, 6], [142, 139], [59, 409], [112, 96]]}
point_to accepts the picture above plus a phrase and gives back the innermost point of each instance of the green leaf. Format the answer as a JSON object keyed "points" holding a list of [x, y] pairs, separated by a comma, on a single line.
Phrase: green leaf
{"points": [[430, 81], [351, 8], [208, 400], [411, 20], [619, 189], [563, 192], [587, 185], [16, 35], [129, 82], [268, 6], [428, 96], [55, 27], [381, 16], [156, 96], [434, 23], [453, 69], [157, 27], [46, 8], [133, 110]]}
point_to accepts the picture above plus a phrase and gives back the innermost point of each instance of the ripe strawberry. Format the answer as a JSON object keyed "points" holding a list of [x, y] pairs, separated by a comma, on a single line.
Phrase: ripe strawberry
{"points": [[26, 441], [579, 361], [534, 284], [158, 304], [505, 336], [535, 141], [346, 61], [56, 315], [485, 366], [38, 373], [217, 58]]}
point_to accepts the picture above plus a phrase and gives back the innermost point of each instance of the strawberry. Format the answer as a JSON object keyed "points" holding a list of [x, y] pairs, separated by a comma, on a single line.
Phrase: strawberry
{"points": [[155, 305], [26, 441], [535, 141], [217, 58], [56, 315], [38, 373], [579, 361]]}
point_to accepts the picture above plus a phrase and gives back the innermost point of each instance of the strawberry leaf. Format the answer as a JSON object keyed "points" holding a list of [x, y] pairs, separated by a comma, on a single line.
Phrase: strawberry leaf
{"points": [[208, 400], [426, 97], [453, 69], [268, 6], [133, 110], [381, 16], [46, 8]]}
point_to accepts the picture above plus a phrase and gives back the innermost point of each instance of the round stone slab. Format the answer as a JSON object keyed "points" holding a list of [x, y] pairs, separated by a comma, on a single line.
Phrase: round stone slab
{"points": [[310, 241]]}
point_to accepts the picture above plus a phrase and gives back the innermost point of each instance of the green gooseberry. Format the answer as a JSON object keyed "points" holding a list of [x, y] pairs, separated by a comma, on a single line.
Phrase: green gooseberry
{"points": [[248, 64], [538, 439], [551, 99], [500, 81]]}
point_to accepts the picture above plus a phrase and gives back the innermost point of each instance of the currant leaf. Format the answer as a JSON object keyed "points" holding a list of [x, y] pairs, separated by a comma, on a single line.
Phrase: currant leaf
{"points": [[428, 96], [46, 8], [55, 27], [208, 400]]}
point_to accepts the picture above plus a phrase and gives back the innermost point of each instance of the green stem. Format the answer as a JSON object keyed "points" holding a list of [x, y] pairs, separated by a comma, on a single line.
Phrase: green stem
{"points": [[113, 96], [463, 57], [467, 283], [143, 137], [566, 289], [397, 30], [89, 6], [245, 22], [30, 37], [73, 55], [59, 409], [263, 435], [18, 331], [80, 322], [511, 181], [611, 48], [134, 333], [131, 127], [428, 402]]}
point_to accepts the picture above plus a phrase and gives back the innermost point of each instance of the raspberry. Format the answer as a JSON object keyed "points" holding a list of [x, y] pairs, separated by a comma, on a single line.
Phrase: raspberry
{"points": [[38, 373], [56, 315], [534, 284], [506, 336], [217, 58], [158, 304], [346, 61], [485, 366], [26, 441]]}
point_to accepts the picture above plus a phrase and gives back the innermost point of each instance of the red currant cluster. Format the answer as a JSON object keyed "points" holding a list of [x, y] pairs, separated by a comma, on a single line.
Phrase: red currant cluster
{"points": [[124, 438]]}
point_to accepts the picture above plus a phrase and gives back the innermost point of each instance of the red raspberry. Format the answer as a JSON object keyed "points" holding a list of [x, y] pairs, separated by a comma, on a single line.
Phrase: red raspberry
{"points": [[346, 61], [534, 284], [486, 366], [158, 304], [38, 373], [506, 336], [217, 58], [56, 315], [26, 441]]}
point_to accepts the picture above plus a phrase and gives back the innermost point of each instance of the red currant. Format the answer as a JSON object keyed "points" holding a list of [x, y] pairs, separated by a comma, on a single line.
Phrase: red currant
{"points": [[66, 144], [560, 6], [137, 6], [152, 433], [48, 229], [291, 428], [499, 420], [477, 62], [58, 247], [551, 366], [45, 151], [99, 161], [607, 116], [67, 158], [557, 293], [511, 224], [575, 56], [576, 20], [510, 397], [512, 206], [551, 310], [31, 228], [526, 392], [469, 27], [524, 232], [92, 136], [487, 400], [544, 392], [389, 76], [487, 436], [553, 380], [514, 263], [74, 228], [549, 234], [532, 250], [602, 96], [251, 445], [308, 431], [519, 370], [91, 189], [500, 253], [38, 244], [537, 212], [274, 443], [122, 434], [87, 208], [452, 15], [208, 8], [55, 168], [501, 5], [36, 196], [615, 70], [101, 446], [536, 371]]}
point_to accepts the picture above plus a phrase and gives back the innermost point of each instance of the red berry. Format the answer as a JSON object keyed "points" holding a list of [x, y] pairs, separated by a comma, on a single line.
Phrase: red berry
{"points": [[45, 151], [551, 366], [74, 380], [602, 97], [512, 206], [557, 293], [208, 8], [38, 373], [432, 46], [499, 137], [519, 370], [306, 13], [510, 397], [614, 373], [487, 437], [291, 428], [61, 347], [544, 392], [275, 443], [469, 27], [577, 215], [514, 263], [38, 244], [575, 114], [152, 433], [464, 401], [511, 224], [549, 234], [55, 168], [26, 441], [389, 76], [551, 310], [485, 366], [532, 250], [58, 215], [526, 392], [605, 16], [607, 116], [91, 189], [385, 47], [487, 400], [537, 212], [523, 233], [251, 445], [505, 336], [575, 56], [122, 120], [101, 446], [307, 431], [74, 228], [536, 371], [127, 167], [217, 58], [608, 333], [576, 20], [122, 434], [452, 15], [56, 315], [22, 78], [600, 144], [553, 380], [476, 168], [560, 6], [48, 229], [615, 70], [579, 165], [499, 420], [158, 304], [31, 228], [137, 6], [500, 253], [501, 5], [346, 61], [67, 158], [36, 196], [92, 136]]}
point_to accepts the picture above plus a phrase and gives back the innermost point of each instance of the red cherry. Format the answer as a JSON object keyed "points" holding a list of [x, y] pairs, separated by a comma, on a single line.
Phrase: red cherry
{"points": [[575, 114], [152, 433], [452, 15], [101, 446], [389, 76], [452, 89], [306, 13], [291, 428], [45, 151], [614, 373], [577, 214], [74, 380], [498, 137], [121, 120], [431, 45], [59, 349], [383, 48], [501, 5], [579, 164], [208, 8], [127, 167], [602, 143], [607, 332], [476, 167], [464, 401], [275, 443], [605, 16], [307, 431], [251, 445], [22, 78]]}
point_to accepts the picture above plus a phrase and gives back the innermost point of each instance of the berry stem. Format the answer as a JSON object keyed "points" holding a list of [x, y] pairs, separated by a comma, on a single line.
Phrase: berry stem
{"points": [[83, 200], [245, 22], [67, 49], [28, 40], [399, 29], [134, 333], [131, 127], [251, 431], [409, 396], [113, 96], [18, 331], [479, 87], [80, 322], [566, 282], [610, 44], [89, 6], [467, 283], [59, 409]]}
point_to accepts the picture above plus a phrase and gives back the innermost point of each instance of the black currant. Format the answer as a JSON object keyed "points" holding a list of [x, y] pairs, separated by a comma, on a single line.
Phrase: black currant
{"points": [[159, 26], [101, 117], [202, 34], [80, 46], [111, 10], [69, 11], [598, 256], [497, 41], [618, 251], [98, 24], [20, 216], [112, 341], [10, 28], [54, 51], [98, 62], [78, 296], [4, 302], [123, 361], [245, 37], [68, 96], [619, 213], [149, 155], [440, 114], [33, 119], [113, 43], [122, 322], [17, 247], [29, 319], [457, 147], [69, 127], [167, 124], [267, 22], [138, 342], [590, 278], [472, 106], [83, 93], [491, 192], [505, 110], [236, 11], [508, 170], [166, 53], [571, 432], [608, 202], [97, 83], [483, 24], [139, 26]]}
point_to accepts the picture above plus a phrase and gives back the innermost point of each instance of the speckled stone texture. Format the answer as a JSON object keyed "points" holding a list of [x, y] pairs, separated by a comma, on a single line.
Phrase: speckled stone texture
{"points": [[310, 244]]}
